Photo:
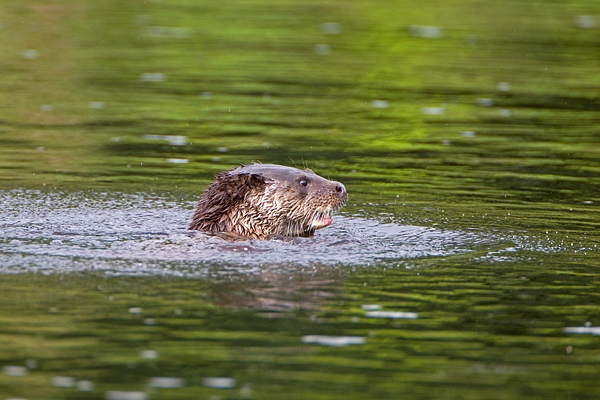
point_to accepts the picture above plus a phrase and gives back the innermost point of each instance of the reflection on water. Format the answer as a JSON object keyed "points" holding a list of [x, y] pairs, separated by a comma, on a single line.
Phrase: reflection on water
{"points": [[464, 266], [112, 311]]}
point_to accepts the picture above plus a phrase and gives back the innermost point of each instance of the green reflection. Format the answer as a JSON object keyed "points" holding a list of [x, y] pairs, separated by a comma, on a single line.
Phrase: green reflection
{"points": [[480, 329], [421, 131]]}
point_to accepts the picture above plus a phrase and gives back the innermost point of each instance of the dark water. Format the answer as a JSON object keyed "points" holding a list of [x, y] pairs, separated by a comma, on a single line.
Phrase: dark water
{"points": [[464, 266]]}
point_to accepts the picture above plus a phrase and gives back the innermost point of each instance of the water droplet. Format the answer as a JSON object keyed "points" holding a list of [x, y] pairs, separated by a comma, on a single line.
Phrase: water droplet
{"points": [[322, 49], [124, 395], [371, 307], [219, 382], [504, 86], [96, 105], [13, 370], [334, 341], [585, 22], [152, 77], [391, 314], [30, 54], [178, 160], [427, 32], [85, 386], [380, 104], [149, 354], [167, 383], [433, 110], [62, 381], [331, 28]]}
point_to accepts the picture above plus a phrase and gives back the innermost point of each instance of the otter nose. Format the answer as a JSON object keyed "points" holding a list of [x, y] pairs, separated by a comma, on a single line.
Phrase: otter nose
{"points": [[340, 190]]}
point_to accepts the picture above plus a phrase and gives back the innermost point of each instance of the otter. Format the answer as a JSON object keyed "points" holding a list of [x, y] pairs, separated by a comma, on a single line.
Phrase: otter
{"points": [[261, 201]]}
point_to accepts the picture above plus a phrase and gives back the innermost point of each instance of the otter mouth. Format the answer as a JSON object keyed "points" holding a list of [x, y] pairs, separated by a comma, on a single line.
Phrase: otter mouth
{"points": [[322, 219]]}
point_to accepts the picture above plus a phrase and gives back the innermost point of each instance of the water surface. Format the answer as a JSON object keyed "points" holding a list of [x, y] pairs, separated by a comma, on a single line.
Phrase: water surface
{"points": [[97, 231], [464, 266]]}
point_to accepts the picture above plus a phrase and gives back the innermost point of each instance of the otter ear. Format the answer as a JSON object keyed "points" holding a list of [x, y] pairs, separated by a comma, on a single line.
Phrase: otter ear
{"points": [[221, 197], [255, 180], [229, 189]]}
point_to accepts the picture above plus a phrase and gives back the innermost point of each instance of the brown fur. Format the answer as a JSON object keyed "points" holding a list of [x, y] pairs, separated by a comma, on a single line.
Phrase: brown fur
{"points": [[263, 200]]}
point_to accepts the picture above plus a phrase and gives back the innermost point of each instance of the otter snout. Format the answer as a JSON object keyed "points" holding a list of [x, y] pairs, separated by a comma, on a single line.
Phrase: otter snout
{"points": [[340, 189]]}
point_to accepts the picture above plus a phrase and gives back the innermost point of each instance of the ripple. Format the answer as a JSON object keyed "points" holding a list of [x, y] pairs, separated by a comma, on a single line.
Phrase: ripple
{"points": [[145, 234]]}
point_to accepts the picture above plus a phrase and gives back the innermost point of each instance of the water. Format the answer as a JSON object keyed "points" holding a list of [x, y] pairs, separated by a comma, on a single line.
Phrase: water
{"points": [[147, 234], [464, 265], [109, 293]]}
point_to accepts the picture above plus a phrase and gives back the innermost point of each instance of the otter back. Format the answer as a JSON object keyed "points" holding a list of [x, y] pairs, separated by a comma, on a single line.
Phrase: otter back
{"points": [[263, 200]]}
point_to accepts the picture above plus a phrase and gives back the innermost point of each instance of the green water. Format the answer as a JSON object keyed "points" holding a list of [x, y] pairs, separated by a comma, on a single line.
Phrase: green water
{"points": [[490, 129]]}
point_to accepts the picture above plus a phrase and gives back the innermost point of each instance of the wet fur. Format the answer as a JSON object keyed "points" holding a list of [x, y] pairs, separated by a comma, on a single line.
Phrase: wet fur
{"points": [[253, 205]]}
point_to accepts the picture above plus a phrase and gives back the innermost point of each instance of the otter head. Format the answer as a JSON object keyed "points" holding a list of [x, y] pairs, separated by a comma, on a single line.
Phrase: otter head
{"points": [[262, 200]]}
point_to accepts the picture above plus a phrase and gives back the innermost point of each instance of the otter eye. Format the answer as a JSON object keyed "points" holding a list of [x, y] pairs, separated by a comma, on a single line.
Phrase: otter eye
{"points": [[303, 182]]}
